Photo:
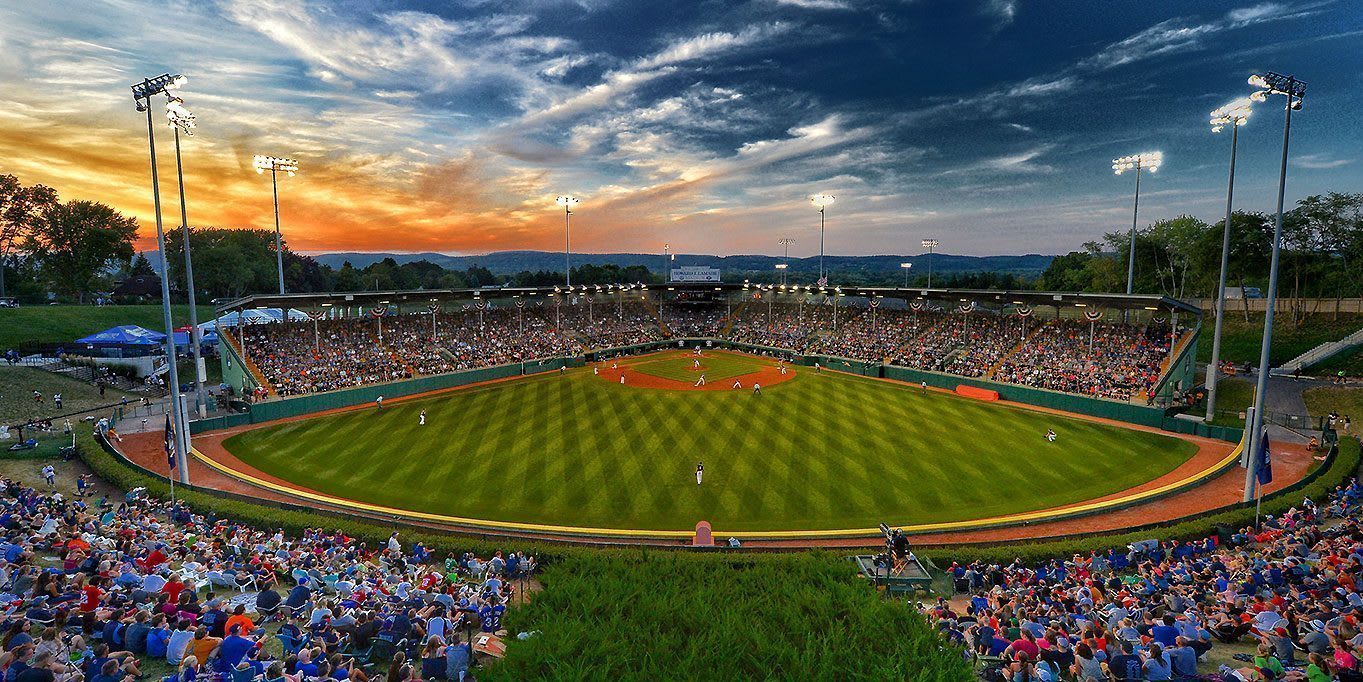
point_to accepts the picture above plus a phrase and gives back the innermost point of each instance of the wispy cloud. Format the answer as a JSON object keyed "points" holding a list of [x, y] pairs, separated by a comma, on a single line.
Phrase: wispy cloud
{"points": [[1319, 161]]}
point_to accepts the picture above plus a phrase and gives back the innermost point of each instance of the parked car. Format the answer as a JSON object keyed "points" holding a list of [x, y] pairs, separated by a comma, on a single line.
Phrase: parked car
{"points": [[9, 302]]}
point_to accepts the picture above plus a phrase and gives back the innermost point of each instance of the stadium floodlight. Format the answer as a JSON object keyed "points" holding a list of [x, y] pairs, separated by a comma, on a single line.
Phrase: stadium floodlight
{"points": [[142, 94], [276, 166], [821, 202], [1150, 161], [1294, 90], [930, 244], [567, 201], [181, 120], [781, 268], [785, 243], [906, 267], [1234, 115]]}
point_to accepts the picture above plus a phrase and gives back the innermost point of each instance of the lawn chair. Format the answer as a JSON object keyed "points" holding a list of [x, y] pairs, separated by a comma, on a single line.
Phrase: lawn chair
{"points": [[291, 644], [382, 649]]}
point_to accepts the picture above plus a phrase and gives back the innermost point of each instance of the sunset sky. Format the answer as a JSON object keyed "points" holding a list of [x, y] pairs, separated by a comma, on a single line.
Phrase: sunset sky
{"points": [[451, 126]]}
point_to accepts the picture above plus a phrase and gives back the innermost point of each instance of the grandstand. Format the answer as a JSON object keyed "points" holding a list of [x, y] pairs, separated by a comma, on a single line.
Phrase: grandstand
{"points": [[1123, 348]]}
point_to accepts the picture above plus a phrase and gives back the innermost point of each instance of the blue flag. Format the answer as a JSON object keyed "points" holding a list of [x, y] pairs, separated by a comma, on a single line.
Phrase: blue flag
{"points": [[1265, 473], [170, 445]]}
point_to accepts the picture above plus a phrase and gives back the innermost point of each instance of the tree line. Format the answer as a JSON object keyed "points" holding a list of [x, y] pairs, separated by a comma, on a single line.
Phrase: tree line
{"points": [[1321, 255], [75, 248]]}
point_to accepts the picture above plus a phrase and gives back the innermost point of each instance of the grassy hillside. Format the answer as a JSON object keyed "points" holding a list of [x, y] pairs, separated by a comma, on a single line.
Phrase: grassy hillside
{"points": [[16, 394], [818, 451], [1240, 341], [1322, 401], [66, 323]]}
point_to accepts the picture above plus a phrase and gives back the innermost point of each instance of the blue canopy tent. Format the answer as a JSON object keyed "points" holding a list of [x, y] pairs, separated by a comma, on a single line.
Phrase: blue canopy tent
{"points": [[127, 340], [208, 338]]}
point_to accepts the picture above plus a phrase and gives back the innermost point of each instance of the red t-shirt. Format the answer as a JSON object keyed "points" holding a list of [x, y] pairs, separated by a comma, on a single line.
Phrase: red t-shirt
{"points": [[92, 596]]}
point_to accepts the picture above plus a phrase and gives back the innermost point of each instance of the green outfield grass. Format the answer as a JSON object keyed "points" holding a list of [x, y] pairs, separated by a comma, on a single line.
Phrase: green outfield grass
{"points": [[715, 367], [816, 452]]}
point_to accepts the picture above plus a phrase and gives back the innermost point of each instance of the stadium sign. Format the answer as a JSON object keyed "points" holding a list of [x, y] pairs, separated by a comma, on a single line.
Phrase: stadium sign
{"points": [[695, 273]]}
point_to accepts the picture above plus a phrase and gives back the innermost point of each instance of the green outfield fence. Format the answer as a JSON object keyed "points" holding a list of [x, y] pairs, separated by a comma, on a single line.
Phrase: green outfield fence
{"points": [[1095, 407], [320, 402]]}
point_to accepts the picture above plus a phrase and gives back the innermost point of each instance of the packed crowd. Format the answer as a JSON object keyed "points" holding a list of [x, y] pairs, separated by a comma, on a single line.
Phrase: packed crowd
{"points": [[789, 326], [501, 336], [1117, 361], [1120, 361], [93, 591], [1291, 592], [694, 319], [298, 358]]}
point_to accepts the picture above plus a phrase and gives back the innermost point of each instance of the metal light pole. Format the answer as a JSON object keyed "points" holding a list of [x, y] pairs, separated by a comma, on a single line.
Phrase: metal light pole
{"points": [[1234, 114], [274, 165], [906, 267], [667, 254], [142, 94], [930, 244], [1271, 84], [567, 201], [1143, 161], [781, 268], [822, 201], [182, 120], [785, 243]]}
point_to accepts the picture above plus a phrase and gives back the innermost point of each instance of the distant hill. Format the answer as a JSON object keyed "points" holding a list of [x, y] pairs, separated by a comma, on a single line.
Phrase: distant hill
{"points": [[512, 262]]}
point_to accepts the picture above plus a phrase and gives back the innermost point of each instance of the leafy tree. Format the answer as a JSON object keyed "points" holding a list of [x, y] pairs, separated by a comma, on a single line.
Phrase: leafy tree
{"points": [[21, 208], [77, 243], [227, 263]]}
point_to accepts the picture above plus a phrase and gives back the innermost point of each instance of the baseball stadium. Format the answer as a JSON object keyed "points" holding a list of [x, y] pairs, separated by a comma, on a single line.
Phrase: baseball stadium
{"points": [[614, 395], [411, 341]]}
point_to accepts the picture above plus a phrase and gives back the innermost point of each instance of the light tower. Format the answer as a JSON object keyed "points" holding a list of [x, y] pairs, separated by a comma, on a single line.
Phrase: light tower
{"points": [[1150, 161], [276, 166], [1234, 114], [1294, 90], [567, 201], [142, 94], [930, 244], [821, 202]]}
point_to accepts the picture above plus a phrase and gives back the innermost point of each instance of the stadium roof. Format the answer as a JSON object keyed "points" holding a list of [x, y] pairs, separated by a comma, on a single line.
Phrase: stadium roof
{"points": [[953, 296]]}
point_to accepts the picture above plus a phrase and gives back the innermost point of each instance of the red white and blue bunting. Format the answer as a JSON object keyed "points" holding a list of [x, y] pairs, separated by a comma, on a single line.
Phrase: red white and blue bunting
{"points": [[317, 314], [966, 307], [917, 305], [874, 303], [1093, 315], [379, 310], [433, 308], [1024, 311]]}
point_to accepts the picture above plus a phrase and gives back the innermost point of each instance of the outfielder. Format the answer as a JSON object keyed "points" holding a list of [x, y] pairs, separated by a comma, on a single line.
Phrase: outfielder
{"points": [[700, 471]]}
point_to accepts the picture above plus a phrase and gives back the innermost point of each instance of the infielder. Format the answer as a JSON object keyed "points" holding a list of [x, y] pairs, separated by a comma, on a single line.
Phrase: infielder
{"points": [[701, 380]]}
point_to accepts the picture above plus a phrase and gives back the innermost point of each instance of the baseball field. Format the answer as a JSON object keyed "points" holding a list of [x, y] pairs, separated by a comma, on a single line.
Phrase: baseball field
{"points": [[811, 451]]}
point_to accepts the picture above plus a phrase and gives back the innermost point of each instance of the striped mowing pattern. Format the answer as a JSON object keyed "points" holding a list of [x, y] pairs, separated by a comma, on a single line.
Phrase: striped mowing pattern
{"points": [[817, 452], [716, 367]]}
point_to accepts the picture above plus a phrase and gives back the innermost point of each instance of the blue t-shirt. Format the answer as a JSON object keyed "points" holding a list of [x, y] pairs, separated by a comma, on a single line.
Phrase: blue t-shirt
{"points": [[1158, 668], [157, 640], [1127, 667], [234, 648], [491, 616], [1164, 634]]}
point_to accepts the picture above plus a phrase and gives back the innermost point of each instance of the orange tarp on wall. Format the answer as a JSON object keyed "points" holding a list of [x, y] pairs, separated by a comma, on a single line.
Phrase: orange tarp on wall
{"points": [[978, 393]]}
